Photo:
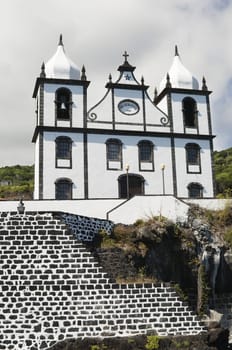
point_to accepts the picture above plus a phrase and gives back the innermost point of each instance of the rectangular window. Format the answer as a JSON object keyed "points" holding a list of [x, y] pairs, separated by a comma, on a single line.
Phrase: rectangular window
{"points": [[193, 156], [145, 153], [63, 150]]}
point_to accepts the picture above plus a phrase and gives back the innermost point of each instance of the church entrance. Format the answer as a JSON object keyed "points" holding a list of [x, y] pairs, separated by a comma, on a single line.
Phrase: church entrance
{"points": [[130, 185]]}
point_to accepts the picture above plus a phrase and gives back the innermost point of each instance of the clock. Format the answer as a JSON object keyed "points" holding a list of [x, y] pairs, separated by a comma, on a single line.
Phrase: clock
{"points": [[128, 107]]}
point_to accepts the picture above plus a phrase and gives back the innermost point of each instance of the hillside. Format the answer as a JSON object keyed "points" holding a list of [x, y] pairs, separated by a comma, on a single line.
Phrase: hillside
{"points": [[17, 181], [223, 171]]}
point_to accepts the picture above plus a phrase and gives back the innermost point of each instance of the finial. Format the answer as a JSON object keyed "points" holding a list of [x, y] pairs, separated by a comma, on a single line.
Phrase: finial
{"points": [[83, 75], [176, 51], [142, 80], [125, 55], [204, 86], [168, 83], [110, 77], [43, 74], [61, 40], [155, 93]]}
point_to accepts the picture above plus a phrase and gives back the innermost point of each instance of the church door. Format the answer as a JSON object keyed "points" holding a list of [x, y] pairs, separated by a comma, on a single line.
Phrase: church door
{"points": [[130, 185]]}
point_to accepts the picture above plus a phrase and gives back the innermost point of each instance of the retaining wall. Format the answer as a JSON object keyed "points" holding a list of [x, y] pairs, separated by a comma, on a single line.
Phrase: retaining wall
{"points": [[51, 288]]}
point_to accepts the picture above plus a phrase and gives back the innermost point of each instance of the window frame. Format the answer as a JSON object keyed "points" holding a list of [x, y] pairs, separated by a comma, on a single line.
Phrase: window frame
{"points": [[190, 112], [64, 181], [58, 141], [196, 148], [108, 143], [68, 104], [141, 161], [197, 186]]}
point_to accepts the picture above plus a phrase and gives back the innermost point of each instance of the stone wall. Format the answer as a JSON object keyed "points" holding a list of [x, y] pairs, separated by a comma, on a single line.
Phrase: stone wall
{"points": [[85, 228], [51, 288], [223, 305]]}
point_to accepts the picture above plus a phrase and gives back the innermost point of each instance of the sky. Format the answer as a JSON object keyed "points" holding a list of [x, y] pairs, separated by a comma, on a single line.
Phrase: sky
{"points": [[96, 33]]}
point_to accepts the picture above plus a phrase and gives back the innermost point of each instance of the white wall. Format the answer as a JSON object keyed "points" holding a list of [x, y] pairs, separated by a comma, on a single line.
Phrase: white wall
{"points": [[51, 173], [140, 207], [210, 204], [178, 113], [120, 210], [36, 171], [184, 178], [103, 183]]}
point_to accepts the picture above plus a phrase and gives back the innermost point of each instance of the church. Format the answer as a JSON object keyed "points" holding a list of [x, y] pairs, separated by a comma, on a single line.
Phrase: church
{"points": [[128, 143]]}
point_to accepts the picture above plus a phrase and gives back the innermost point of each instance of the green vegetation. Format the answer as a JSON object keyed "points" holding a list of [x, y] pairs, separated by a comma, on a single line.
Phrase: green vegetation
{"points": [[228, 236], [16, 182], [223, 172], [181, 344], [152, 342], [203, 292]]}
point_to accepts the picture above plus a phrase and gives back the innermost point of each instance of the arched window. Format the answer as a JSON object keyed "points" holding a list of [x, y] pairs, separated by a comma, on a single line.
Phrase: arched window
{"points": [[146, 156], [195, 190], [63, 103], [193, 159], [63, 189], [114, 154], [63, 152], [190, 113]]}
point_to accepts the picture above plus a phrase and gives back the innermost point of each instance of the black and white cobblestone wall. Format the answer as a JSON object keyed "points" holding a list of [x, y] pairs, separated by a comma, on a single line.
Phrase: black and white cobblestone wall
{"points": [[51, 288], [85, 228]]}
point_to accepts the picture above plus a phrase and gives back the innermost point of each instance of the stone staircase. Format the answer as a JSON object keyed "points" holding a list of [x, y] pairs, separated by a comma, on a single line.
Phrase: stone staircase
{"points": [[52, 288]]}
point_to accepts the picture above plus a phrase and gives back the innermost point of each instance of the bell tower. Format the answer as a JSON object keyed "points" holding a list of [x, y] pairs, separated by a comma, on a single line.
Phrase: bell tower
{"points": [[61, 98], [188, 108]]}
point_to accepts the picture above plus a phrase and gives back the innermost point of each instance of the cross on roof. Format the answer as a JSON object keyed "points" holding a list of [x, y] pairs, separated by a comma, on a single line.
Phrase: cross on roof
{"points": [[125, 55]]}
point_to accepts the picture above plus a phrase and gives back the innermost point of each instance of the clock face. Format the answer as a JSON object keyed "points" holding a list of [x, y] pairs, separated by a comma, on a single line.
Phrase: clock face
{"points": [[128, 107]]}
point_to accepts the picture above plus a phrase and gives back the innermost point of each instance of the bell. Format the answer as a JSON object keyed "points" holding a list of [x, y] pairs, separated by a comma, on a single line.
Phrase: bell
{"points": [[62, 106]]}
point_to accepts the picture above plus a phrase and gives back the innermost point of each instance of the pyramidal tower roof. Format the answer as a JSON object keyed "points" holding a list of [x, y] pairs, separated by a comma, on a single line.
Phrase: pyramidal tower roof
{"points": [[60, 66], [180, 77]]}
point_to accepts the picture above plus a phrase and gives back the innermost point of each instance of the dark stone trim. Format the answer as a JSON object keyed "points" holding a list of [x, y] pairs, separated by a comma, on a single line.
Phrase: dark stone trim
{"points": [[209, 115], [213, 167], [41, 105], [211, 144], [144, 110], [41, 164], [85, 144], [126, 86], [127, 123], [172, 135], [181, 91], [113, 109], [86, 180], [126, 67], [121, 132], [40, 81]]}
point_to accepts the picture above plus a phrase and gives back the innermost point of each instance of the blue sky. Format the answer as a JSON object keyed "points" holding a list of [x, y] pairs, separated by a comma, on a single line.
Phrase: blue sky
{"points": [[96, 33]]}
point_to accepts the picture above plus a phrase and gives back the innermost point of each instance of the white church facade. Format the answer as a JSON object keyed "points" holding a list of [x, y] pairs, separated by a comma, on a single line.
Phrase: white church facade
{"points": [[127, 144]]}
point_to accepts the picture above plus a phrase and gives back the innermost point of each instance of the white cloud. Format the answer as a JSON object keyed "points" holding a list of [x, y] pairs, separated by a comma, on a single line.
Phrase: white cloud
{"points": [[95, 34]]}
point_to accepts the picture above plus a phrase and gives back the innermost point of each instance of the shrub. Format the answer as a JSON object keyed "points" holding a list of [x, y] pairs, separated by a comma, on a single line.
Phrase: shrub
{"points": [[228, 236], [152, 342]]}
